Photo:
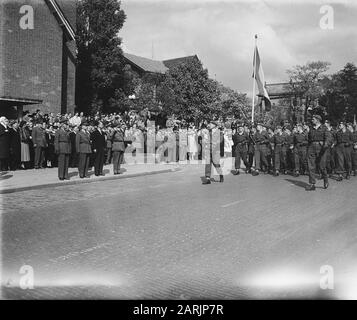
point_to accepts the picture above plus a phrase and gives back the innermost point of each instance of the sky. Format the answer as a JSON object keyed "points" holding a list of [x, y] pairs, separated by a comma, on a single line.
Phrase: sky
{"points": [[221, 33]]}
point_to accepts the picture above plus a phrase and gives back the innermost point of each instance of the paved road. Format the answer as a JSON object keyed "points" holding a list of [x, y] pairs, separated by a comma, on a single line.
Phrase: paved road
{"points": [[169, 236]]}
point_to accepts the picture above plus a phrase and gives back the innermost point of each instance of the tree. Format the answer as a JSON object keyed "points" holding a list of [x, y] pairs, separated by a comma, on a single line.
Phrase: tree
{"points": [[188, 92], [340, 99], [306, 82], [102, 81]]}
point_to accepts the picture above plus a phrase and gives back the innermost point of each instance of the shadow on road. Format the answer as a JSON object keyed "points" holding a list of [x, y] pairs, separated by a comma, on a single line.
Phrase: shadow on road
{"points": [[73, 174], [6, 176], [298, 183]]}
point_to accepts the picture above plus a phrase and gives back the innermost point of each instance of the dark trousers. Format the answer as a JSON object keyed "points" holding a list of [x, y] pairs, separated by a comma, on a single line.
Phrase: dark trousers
{"points": [[63, 164], [343, 155], [117, 160], [214, 160], [39, 156], [241, 154], [330, 160], [83, 164], [300, 158], [260, 155], [280, 157], [4, 164], [15, 161], [354, 159], [316, 158], [99, 162]]}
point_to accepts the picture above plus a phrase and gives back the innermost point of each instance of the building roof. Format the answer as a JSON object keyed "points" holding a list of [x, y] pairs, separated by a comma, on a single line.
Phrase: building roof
{"points": [[173, 63], [145, 64], [61, 18]]}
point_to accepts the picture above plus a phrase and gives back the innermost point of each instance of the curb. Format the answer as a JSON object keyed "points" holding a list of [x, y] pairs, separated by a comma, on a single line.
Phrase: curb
{"points": [[69, 183]]}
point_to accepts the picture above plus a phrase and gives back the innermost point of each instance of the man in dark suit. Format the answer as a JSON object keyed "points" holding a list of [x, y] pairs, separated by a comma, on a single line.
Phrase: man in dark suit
{"points": [[4, 144], [62, 144], [15, 146], [98, 144], [83, 147], [39, 143]]}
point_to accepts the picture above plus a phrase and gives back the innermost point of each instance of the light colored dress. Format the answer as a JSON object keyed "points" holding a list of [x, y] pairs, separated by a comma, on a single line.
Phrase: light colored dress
{"points": [[192, 141]]}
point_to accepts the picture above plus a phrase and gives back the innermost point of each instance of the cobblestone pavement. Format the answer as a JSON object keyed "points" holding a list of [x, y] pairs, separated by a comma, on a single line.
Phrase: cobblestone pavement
{"points": [[169, 236]]}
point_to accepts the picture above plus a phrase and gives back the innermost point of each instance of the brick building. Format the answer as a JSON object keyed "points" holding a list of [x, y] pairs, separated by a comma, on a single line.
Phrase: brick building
{"points": [[37, 55]]}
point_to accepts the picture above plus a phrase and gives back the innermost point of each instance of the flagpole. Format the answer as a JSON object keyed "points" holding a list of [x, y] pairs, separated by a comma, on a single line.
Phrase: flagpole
{"points": [[254, 69]]}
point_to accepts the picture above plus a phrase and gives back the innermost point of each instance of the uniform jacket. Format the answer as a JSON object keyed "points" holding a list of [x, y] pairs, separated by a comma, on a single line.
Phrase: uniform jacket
{"points": [[300, 139], [15, 141], [322, 135], [261, 138], [118, 141], [39, 137], [240, 139], [62, 142], [83, 143], [280, 139], [343, 137]]}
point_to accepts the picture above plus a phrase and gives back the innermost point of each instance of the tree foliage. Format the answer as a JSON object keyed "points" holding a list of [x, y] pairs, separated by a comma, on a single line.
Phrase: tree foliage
{"points": [[102, 80], [340, 98], [306, 81]]}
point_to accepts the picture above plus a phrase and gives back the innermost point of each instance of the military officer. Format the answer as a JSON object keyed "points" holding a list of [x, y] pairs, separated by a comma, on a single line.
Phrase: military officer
{"points": [[212, 148], [118, 146], [261, 140], [279, 150], [62, 144], [319, 140], [300, 140], [240, 143], [343, 142], [354, 151], [83, 147]]}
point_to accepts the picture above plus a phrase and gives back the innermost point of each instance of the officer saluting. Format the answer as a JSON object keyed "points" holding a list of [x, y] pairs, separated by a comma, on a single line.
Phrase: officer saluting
{"points": [[319, 140], [62, 144]]}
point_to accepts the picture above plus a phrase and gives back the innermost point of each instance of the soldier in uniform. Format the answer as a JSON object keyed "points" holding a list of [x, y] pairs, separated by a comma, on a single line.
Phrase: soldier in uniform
{"points": [[62, 144], [343, 142], [240, 143], [212, 150], [354, 151], [251, 146], [300, 140], [83, 147], [330, 152], [39, 143], [319, 140], [279, 151], [261, 140], [118, 146]]}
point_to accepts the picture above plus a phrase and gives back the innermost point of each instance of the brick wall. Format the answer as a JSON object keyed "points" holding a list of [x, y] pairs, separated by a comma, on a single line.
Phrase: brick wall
{"points": [[32, 59]]}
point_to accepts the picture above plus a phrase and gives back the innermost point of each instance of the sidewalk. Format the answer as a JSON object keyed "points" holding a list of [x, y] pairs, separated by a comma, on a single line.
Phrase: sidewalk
{"points": [[20, 180]]}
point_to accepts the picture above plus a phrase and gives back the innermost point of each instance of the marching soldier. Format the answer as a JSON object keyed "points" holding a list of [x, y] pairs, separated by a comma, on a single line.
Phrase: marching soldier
{"points": [[240, 142], [212, 147], [261, 140], [62, 144], [300, 150], [330, 152], [251, 146], [319, 140], [83, 147], [343, 152]]}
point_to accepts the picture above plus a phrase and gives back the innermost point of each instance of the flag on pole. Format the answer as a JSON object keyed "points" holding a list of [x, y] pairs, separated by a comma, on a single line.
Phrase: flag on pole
{"points": [[258, 74]]}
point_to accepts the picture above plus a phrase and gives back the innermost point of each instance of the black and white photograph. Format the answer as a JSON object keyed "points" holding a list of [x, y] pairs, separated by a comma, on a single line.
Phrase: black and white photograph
{"points": [[178, 150]]}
